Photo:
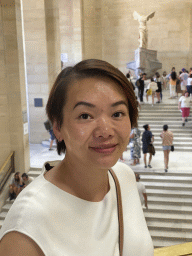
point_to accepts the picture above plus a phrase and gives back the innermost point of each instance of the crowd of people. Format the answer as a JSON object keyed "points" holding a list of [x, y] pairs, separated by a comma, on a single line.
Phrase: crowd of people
{"points": [[147, 145], [177, 83]]}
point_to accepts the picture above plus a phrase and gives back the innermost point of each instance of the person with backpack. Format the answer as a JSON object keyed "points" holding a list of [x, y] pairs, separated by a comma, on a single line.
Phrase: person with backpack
{"points": [[48, 127]]}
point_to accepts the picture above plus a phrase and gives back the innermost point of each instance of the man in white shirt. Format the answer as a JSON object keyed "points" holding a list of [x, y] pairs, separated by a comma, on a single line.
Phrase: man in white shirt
{"points": [[141, 190], [26, 179]]}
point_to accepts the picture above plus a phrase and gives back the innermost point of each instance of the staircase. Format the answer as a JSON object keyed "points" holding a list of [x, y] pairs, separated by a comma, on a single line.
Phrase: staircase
{"points": [[161, 114], [169, 213], [34, 172]]}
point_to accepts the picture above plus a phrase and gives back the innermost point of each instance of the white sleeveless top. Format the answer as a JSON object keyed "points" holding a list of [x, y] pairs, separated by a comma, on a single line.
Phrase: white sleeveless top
{"points": [[64, 225]]}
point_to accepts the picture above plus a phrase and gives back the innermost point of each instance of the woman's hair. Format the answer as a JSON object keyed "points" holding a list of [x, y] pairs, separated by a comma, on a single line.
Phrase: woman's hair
{"points": [[173, 76], [152, 79], [145, 127], [128, 75], [165, 127], [190, 76], [91, 68], [157, 74]]}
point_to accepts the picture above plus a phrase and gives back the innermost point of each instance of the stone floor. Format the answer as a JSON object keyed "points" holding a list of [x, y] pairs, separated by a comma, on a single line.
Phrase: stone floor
{"points": [[178, 161]]}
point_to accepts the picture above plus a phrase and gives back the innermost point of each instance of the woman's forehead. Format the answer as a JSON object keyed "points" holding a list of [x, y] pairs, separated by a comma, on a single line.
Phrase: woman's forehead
{"points": [[93, 85]]}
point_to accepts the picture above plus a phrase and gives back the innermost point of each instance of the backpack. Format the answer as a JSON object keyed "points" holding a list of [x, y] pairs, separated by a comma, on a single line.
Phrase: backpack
{"points": [[47, 125]]}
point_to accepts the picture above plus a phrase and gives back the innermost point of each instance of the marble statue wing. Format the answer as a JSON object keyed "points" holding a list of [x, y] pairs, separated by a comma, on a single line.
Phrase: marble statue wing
{"points": [[136, 16], [150, 16]]}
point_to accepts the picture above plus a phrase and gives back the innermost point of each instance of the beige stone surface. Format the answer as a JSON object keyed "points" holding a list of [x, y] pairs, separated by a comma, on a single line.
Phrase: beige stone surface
{"points": [[12, 84]]}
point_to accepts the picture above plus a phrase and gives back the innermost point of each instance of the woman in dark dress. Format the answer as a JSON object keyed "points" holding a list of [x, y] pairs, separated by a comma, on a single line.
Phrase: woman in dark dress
{"points": [[147, 139], [159, 90]]}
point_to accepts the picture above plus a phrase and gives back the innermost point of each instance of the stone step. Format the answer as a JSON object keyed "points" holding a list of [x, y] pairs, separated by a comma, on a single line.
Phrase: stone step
{"points": [[168, 217], [167, 186], [177, 135], [158, 243], [3, 215], [175, 143], [160, 122], [157, 173], [163, 208], [1, 223], [34, 173], [178, 139], [169, 226], [6, 207], [9, 202], [187, 131], [169, 179], [163, 118], [170, 200], [182, 237], [162, 113], [161, 194]]}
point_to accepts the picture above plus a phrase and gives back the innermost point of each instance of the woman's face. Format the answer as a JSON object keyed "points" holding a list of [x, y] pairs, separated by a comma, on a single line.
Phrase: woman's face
{"points": [[186, 94], [96, 124]]}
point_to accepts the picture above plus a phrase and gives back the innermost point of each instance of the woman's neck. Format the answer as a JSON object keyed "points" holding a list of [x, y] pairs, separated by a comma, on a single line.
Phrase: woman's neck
{"points": [[85, 182]]}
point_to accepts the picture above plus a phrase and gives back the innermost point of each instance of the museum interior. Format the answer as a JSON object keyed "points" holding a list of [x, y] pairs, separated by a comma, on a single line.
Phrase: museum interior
{"points": [[41, 37]]}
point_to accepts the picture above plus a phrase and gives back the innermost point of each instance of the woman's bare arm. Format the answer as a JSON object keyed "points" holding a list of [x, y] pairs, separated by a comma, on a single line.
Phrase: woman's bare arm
{"points": [[18, 244]]}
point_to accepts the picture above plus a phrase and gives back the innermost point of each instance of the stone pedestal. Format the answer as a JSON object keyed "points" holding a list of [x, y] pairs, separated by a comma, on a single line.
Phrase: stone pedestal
{"points": [[145, 61]]}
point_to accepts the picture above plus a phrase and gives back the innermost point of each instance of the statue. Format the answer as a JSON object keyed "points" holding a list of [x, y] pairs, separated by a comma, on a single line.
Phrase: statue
{"points": [[143, 37]]}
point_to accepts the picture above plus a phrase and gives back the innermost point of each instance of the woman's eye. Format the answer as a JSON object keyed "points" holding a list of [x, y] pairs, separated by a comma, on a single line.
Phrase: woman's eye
{"points": [[118, 114], [85, 116]]}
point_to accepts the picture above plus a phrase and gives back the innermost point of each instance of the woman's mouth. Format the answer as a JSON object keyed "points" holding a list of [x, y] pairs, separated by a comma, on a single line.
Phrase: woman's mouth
{"points": [[105, 149]]}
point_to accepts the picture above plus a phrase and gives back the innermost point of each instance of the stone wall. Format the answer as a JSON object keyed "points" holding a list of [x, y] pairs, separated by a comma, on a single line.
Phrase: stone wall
{"points": [[37, 66], [70, 30], [169, 31], [13, 90]]}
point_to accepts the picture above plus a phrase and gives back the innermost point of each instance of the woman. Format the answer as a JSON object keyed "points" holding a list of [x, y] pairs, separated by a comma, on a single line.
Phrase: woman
{"points": [[184, 106], [183, 77], [16, 186], [172, 84], [92, 108], [153, 86], [189, 85], [164, 80], [167, 141], [159, 90], [135, 146], [147, 139], [178, 85]]}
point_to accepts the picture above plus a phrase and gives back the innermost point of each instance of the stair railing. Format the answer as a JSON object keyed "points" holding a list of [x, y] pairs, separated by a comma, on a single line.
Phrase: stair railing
{"points": [[7, 169], [175, 250]]}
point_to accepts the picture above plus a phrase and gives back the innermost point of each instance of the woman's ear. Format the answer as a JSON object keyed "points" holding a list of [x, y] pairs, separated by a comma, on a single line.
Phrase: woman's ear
{"points": [[57, 131]]}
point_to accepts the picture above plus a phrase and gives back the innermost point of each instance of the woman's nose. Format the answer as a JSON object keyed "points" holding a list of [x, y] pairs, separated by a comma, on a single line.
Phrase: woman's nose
{"points": [[104, 128]]}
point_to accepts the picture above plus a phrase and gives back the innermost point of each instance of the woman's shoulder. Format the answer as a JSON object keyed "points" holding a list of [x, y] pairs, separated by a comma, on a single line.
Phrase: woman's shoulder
{"points": [[122, 170]]}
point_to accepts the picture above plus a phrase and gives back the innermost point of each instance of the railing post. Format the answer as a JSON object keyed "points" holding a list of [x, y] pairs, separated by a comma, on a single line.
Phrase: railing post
{"points": [[13, 162]]}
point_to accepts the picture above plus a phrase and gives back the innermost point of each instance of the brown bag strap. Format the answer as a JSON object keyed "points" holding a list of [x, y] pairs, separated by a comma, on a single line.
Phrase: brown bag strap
{"points": [[120, 211]]}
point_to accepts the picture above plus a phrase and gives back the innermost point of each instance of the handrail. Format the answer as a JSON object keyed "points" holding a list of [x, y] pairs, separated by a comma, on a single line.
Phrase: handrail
{"points": [[6, 161], [10, 169], [175, 250]]}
